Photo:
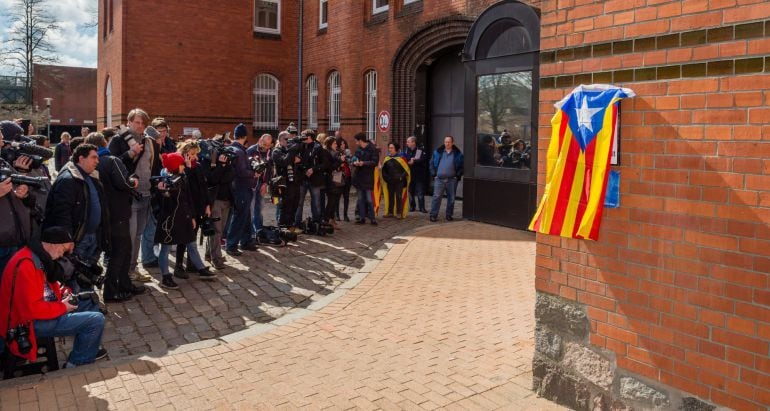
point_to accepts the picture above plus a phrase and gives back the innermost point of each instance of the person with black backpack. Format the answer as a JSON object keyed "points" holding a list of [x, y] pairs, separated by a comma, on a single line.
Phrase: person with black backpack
{"points": [[313, 167]]}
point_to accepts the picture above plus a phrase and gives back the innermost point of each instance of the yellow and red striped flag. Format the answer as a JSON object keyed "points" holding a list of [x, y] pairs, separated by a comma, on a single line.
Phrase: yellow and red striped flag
{"points": [[578, 162]]}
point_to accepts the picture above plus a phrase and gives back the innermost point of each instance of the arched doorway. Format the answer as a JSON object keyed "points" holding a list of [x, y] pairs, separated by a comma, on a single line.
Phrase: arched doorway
{"points": [[412, 72]]}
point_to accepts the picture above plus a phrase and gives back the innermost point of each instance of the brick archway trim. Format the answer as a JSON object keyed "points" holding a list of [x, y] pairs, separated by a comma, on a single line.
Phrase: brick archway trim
{"points": [[424, 43]]}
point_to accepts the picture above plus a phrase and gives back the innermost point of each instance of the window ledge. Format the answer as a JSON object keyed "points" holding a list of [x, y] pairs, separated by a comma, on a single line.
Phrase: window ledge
{"points": [[322, 30], [266, 36], [376, 19], [409, 9]]}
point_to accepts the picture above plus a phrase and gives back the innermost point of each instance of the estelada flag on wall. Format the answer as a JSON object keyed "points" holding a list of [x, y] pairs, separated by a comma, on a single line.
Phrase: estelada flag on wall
{"points": [[578, 162]]}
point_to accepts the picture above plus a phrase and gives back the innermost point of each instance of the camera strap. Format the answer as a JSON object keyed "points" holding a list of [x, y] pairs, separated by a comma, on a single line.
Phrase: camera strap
{"points": [[13, 289]]}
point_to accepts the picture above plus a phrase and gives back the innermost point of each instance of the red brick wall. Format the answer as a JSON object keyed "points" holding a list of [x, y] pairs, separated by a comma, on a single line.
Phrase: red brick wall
{"points": [[678, 285], [195, 63], [73, 90], [110, 63]]}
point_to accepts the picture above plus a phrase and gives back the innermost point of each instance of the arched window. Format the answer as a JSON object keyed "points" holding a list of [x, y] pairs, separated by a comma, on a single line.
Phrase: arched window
{"points": [[335, 97], [370, 79], [312, 101], [266, 102], [108, 103]]}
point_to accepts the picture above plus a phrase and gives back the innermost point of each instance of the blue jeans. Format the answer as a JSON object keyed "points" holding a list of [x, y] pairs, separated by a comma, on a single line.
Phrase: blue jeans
{"points": [[86, 248], [256, 212], [315, 202], [86, 326], [142, 221], [441, 185], [239, 231], [365, 204], [148, 240], [192, 253]]}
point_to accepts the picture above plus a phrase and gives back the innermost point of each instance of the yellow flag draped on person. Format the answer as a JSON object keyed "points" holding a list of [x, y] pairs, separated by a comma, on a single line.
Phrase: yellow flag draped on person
{"points": [[403, 196], [578, 162]]}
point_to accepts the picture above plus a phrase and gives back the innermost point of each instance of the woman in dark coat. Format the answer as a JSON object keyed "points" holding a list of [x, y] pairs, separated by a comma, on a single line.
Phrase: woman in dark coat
{"points": [[336, 180], [395, 175], [176, 219], [345, 155]]}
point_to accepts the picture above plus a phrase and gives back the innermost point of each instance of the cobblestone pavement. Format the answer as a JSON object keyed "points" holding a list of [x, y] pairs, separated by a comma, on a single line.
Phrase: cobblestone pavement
{"points": [[445, 319], [257, 287]]}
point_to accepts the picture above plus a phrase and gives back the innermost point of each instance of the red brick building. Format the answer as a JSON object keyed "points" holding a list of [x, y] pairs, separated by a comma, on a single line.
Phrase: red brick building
{"points": [[73, 90], [671, 307]]}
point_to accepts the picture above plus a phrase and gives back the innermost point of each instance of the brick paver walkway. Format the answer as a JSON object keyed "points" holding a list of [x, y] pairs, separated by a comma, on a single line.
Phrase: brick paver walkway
{"points": [[444, 320]]}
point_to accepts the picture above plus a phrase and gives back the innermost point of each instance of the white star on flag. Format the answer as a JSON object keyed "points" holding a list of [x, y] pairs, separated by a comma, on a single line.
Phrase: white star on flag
{"points": [[584, 115]]}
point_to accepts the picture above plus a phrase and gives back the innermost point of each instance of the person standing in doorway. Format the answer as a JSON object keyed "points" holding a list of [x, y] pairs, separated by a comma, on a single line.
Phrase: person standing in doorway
{"points": [[446, 167]]}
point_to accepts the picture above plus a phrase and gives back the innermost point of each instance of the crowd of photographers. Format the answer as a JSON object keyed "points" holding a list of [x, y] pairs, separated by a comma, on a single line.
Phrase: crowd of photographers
{"points": [[130, 195]]}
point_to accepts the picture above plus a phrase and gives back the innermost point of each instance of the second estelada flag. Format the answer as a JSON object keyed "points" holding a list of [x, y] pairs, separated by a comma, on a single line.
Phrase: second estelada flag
{"points": [[578, 162]]}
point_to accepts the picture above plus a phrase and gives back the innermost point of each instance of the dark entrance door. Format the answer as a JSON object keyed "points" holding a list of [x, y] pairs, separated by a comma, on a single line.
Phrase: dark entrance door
{"points": [[446, 82]]}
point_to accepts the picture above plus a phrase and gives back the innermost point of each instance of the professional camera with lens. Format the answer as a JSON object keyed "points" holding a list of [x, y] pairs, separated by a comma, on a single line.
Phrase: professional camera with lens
{"points": [[258, 165], [34, 182], [171, 182], [207, 226], [87, 274], [20, 334], [74, 299]]}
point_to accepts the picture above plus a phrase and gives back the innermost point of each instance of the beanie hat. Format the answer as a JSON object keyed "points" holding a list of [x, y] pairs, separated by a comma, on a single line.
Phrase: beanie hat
{"points": [[11, 131], [292, 129], [172, 161], [240, 131], [56, 235]]}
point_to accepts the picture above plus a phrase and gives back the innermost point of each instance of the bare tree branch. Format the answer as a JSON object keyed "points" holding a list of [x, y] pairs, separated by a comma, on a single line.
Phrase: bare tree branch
{"points": [[31, 23]]}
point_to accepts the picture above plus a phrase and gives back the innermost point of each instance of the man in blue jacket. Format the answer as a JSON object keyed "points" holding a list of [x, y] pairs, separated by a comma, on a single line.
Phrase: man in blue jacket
{"points": [[239, 231], [446, 167]]}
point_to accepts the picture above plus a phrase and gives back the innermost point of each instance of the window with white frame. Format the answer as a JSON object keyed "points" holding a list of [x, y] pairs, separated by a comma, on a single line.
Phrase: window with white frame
{"points": [[371, 104], [312, 102], [335, 97], [108, 103], [323, 14], [267, 16], [379, 6], [266, 102], [410, 1]]}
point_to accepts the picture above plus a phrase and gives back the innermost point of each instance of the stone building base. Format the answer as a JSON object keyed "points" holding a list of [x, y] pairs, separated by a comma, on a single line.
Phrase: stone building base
{"points": [[569, 371]]}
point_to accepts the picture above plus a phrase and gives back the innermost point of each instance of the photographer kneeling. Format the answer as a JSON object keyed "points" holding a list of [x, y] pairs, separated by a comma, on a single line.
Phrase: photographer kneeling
{"points": [[33, 304]]}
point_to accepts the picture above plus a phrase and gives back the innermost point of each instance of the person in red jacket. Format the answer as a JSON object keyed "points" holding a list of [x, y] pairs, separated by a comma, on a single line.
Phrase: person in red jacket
{"points": [[33, 302]]}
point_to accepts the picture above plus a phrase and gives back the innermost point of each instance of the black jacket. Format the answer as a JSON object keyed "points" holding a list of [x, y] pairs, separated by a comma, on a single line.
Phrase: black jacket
{"points": [[117, 189], [283, 159], [335, 164], [68, 204], [313, 158], [393, 172], [363, 177], [175, 215], [220, 181], [61, 154], [196, 181], [16, 227], [419, 168], [119, 148]]}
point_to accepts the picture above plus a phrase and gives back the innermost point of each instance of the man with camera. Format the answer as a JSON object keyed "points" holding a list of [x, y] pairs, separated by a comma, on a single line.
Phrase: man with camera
{"points": [[312, 173], [77, 203], [16, 229], [239, 231], [33, 304], [119, 188], [366, 160], [261, 160], [286, 183], [220, 180], [141, 155]]}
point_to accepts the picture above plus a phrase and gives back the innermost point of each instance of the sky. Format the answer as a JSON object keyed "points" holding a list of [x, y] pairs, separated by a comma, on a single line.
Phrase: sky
{"points": [[76, 45]]}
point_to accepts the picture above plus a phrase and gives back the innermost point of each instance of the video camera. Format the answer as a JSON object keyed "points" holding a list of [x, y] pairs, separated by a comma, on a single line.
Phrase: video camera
{"points": [[207, 226], [24, 147], [319, 228], [170, 181], [272, 235], [87, 274], [213, 149], [34, 182]]}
